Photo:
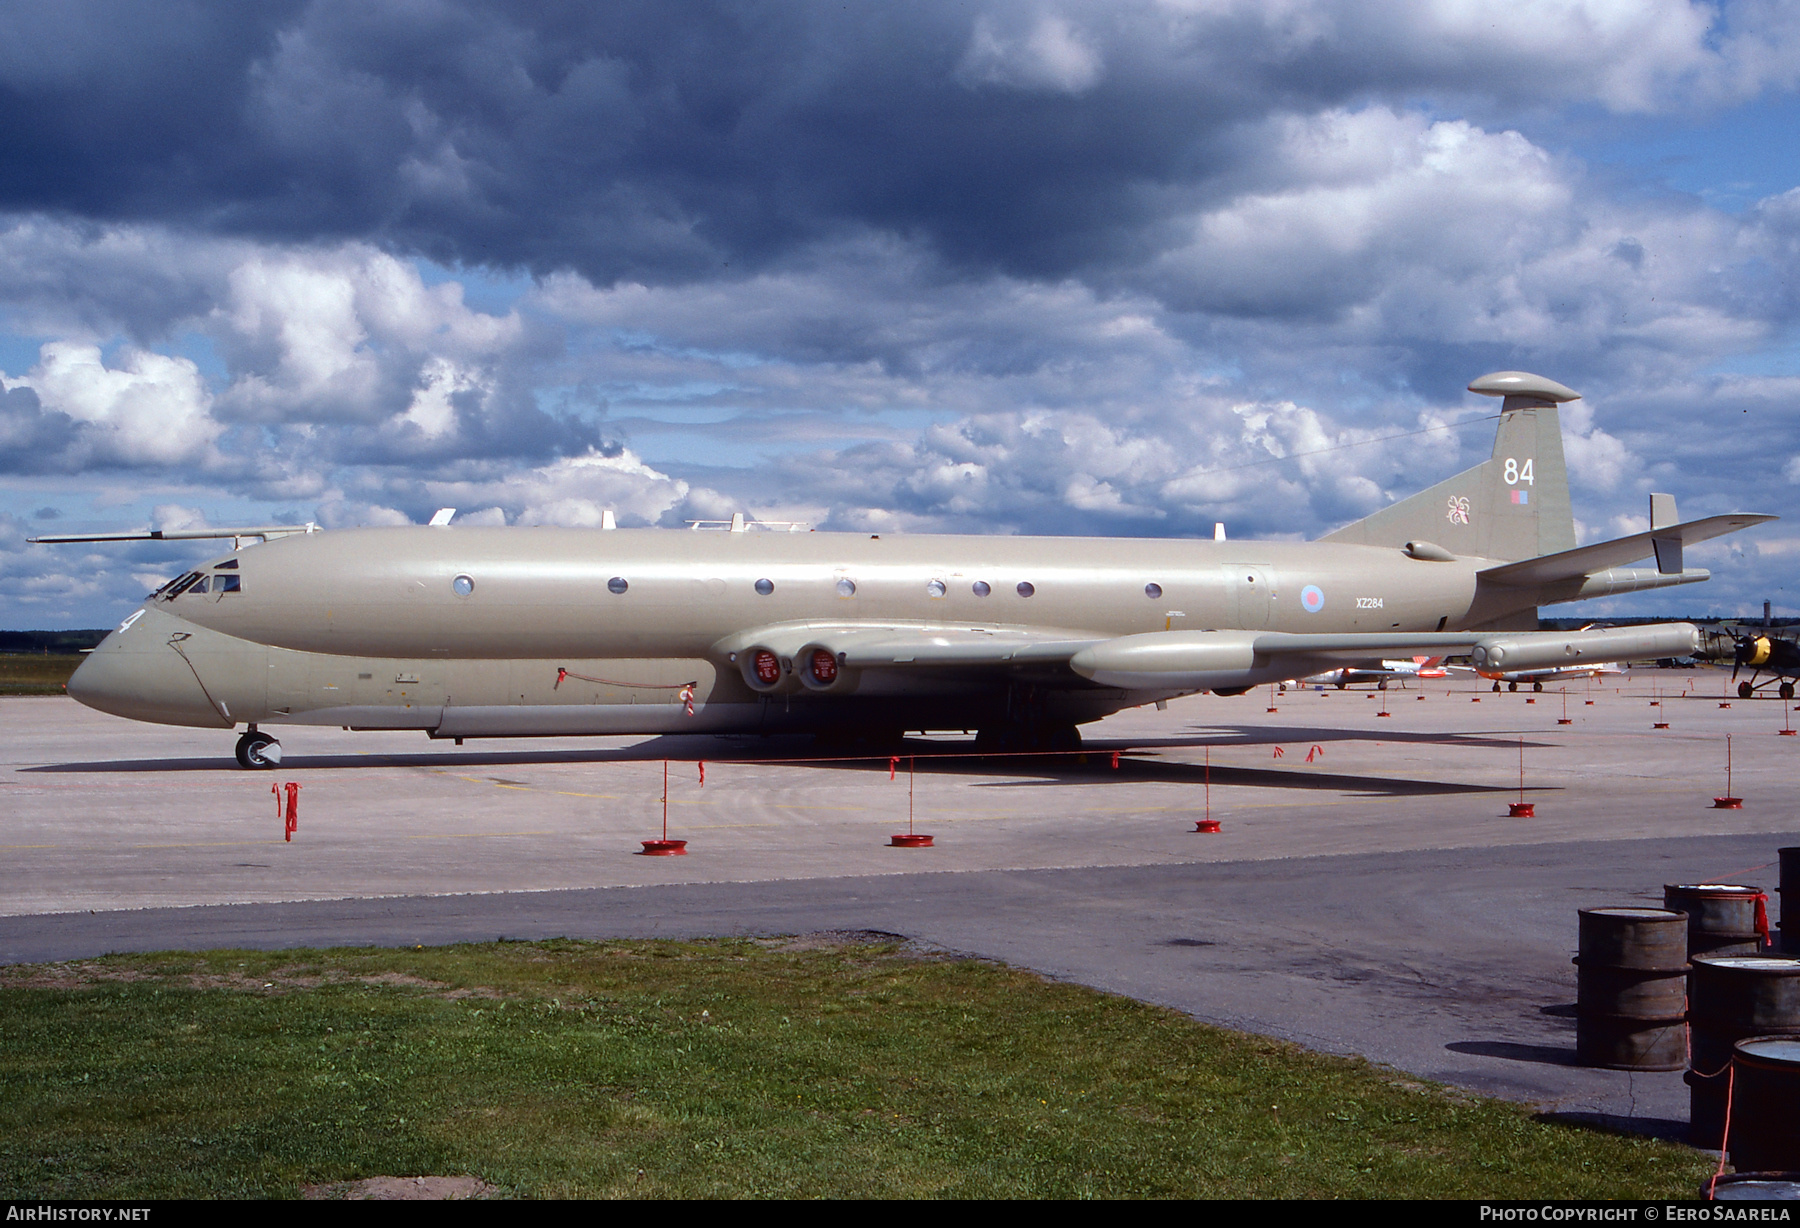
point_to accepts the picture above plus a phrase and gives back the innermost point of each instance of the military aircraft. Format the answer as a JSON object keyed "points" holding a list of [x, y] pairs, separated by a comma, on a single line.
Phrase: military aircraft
{"points": [[1774, 660], [466, 632]]}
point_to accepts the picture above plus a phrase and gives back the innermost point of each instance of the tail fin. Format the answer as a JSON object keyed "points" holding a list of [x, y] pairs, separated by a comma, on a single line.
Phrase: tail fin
{"points": [[1513, 506]]}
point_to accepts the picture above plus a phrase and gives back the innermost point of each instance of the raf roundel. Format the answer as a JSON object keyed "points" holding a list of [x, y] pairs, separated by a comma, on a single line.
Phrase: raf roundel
{"points": [[1312, 598]]}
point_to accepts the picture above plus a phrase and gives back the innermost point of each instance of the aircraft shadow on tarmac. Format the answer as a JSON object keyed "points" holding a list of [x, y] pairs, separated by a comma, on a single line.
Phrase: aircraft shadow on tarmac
{"points": [[1091, 765], [1263, 735], [1152, 771]]}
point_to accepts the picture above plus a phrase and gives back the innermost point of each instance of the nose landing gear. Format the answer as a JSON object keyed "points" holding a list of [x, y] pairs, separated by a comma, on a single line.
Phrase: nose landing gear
{"points": [[257, 750]]}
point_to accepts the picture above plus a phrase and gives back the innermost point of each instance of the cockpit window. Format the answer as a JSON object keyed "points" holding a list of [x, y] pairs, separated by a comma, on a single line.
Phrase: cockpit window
{"points": [[226, 584], [227, 565], [179, 585], [198, 586]]}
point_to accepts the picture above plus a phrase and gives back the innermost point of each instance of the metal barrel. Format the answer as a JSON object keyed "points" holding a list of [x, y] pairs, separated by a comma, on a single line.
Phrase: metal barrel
{"points": [[1752, 1187], [1765, 1105], [1631, 982], [1721, 917], [1732, 998], [1790, 891]]}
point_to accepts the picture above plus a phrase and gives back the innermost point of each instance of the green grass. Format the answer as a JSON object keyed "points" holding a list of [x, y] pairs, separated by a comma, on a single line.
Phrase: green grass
{"points": [[36, 674], [726, 1068]]}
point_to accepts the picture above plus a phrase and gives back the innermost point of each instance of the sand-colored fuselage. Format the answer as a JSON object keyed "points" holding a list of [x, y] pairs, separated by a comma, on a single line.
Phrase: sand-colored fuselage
{"points": [[519, 631]]}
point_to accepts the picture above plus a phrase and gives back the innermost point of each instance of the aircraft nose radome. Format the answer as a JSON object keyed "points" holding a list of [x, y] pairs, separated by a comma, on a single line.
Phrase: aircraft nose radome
{"points": [[134, 673]]}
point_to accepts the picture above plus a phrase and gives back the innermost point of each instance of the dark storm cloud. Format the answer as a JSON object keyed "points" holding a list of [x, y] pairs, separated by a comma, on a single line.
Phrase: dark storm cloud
{"points": [[656, 141], [620, 140], [1044, 265], [33, 439]]}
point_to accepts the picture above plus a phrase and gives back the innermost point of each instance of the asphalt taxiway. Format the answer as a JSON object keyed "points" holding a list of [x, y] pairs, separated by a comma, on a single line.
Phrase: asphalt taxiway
{"points": [[1367, 892]]}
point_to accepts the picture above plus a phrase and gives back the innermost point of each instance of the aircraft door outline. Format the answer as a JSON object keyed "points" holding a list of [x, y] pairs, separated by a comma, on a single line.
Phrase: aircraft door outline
{"points": [[1252, 593]]}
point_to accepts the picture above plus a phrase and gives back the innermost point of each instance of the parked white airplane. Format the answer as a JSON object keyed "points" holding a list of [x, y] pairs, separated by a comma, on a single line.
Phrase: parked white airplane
{"points": [[1380, 675], [1538, 677]]}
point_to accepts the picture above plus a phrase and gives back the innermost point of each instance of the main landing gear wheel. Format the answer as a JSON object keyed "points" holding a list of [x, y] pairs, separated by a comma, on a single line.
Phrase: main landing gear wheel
{"points": [[258, 750], [1537, 686], [1496, 688], [1787, 690], [1745, 690], [1511, 686]]}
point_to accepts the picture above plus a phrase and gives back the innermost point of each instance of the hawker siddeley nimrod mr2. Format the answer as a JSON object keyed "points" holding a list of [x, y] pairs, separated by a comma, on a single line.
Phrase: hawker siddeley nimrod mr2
{"points": [[469, 632]]}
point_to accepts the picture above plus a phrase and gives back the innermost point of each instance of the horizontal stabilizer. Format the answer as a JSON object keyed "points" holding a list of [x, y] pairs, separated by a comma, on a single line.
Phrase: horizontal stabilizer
{"points": [[1586, 560]]}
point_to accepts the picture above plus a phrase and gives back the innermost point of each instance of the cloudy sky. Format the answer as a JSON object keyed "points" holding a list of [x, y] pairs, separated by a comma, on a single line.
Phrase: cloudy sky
{"points": [[1123, 268]]}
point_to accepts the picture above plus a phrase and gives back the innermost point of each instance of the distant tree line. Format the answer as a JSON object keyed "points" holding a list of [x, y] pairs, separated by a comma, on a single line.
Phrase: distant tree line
{"points": [[1575, 624], [52, 642]]}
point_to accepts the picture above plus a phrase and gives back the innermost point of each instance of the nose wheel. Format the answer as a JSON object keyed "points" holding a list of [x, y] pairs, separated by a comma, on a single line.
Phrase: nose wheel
{"points": [[258, 750]]}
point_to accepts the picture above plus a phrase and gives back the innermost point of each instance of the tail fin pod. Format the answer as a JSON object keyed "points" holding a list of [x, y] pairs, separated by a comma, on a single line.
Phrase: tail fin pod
{"points": [[1515, 505]]}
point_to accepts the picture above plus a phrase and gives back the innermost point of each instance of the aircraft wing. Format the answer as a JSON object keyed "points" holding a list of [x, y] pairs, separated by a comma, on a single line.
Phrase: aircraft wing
{"points": [[970, 647], [1160, 660], [868, 645], [1584, 561], [1236, 660], [1373, 647]]}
